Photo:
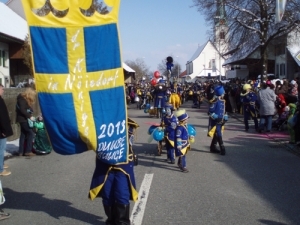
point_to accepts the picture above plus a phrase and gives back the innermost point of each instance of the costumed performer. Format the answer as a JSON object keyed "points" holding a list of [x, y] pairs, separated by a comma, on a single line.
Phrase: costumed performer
{"points": [[182, 143], [217, 118], [169, 122], [160, 98], [249, 101], [116, 184]]}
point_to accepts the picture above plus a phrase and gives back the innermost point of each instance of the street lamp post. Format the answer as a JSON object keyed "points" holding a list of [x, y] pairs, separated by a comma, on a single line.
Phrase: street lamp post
{"points": [[177, 69], [220, 60]]}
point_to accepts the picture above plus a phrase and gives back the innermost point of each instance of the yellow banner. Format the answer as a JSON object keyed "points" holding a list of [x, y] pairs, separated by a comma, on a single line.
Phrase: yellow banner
{"points": [[79, 76]]}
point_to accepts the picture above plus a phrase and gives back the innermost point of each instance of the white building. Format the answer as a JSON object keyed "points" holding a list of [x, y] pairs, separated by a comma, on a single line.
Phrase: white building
{"points": [[205, 63], [12, 34], [283, 59], [287, 56]]}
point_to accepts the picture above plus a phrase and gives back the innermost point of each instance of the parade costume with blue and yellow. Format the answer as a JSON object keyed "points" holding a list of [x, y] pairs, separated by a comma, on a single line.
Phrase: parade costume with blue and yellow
{"points": [[116, 184], [249, 101], [196, 88], [77, 65], [217, 118], [169, 122], [160, 97], [182, 143]]}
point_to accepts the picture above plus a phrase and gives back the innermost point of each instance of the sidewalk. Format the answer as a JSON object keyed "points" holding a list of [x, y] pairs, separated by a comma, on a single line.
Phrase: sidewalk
{"points": [[281, 137], [12, 147]]}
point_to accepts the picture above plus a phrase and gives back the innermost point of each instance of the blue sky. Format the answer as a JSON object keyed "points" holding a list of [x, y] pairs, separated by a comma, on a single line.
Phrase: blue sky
{"points": [[155, 29]]}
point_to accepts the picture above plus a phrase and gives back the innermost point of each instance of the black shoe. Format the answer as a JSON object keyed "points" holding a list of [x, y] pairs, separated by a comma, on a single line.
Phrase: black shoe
{"points": [[246, 129], [222, 152], [121, 214], [108, 211], [213, 145], [214, 151], [172, 162]]}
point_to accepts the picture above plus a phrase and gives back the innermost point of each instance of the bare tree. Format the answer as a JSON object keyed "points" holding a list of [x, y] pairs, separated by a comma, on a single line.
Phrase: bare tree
{"points": [[252, 23], [26, 53], [140, 68]]}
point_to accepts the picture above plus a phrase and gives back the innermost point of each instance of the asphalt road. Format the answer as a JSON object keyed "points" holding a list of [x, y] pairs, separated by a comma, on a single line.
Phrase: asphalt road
{"points": [[256, 182]]}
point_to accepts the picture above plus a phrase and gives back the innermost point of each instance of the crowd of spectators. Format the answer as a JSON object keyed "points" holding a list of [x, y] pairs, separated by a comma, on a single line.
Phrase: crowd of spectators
{"points": [[277, 102]]}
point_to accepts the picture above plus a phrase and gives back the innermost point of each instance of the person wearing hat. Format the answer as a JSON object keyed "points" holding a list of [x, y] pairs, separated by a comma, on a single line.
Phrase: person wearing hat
{"points": [[196, 87], [210, 90], [249, 103], [169, 122], [217, 118], [160, 93], [182, 143], [116, 184]]}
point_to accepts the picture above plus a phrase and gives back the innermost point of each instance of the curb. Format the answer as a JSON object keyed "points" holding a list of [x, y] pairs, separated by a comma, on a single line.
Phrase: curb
{"points": [[291, 148]]}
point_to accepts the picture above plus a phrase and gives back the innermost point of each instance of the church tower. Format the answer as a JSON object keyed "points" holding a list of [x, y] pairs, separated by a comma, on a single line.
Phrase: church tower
{"points": [[221, 28]]}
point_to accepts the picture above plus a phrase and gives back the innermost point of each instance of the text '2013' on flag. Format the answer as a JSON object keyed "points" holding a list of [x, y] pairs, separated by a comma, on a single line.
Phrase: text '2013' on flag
{"points": [[79, 76]]}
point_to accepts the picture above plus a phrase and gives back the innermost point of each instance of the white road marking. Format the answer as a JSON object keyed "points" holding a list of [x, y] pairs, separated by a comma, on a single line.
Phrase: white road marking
{"points": [[140, 206]]}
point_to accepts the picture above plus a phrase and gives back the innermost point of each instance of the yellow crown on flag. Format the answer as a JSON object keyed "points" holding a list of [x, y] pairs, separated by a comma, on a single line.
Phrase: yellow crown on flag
{"points": [[70, 12], [77, 66]]}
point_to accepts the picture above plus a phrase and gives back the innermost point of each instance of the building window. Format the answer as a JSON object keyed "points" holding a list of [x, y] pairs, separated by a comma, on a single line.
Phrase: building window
{"points": [[5, 58], [222, 35], [190, 67], [280, 50], [282, 69]]}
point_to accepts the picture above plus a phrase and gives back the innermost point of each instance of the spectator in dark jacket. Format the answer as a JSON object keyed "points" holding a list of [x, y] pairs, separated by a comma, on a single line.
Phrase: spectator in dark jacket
{"points": [[5, 132], [24, 109]]}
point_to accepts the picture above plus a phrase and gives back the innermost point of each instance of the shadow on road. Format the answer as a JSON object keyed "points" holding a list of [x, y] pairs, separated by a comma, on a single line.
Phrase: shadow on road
{"points": [[53, 207], [269, 222]]}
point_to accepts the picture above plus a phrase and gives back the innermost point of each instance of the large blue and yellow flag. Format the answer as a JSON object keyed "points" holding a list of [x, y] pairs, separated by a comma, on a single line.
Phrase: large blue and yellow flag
{"points": [[79, 77]]}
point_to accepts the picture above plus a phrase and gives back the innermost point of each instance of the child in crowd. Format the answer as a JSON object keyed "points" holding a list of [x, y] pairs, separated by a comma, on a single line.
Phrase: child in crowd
{"points": [[217, 119], [169, 122], [41, 142], [182, 142], [282, 118]]}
